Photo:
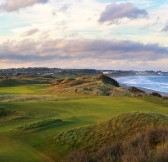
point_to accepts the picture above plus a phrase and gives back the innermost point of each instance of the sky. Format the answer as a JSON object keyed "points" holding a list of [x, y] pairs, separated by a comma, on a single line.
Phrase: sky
{"points": [[99, 34]]}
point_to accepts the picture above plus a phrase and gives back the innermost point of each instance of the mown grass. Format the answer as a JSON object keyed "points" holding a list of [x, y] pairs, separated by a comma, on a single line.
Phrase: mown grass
{"points": [[12, 150], [24, 89]]}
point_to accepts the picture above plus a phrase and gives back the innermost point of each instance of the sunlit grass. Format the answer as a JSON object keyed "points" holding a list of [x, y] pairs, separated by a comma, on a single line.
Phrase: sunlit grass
{"points": [[24, 89]]}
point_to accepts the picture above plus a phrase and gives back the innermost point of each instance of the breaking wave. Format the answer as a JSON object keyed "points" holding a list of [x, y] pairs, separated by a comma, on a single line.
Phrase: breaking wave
{"points": [[156, 83]]}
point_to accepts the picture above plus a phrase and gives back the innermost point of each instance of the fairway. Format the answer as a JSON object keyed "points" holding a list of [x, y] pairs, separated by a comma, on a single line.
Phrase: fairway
{"points": [[24, 89]]}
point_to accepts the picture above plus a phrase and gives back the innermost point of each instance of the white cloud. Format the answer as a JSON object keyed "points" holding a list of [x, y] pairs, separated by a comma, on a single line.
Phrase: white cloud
{"points": [[13, 5]]}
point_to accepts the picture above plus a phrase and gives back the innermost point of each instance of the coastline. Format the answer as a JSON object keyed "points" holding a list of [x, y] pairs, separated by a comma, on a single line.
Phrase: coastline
{"points": [[147, 91]]}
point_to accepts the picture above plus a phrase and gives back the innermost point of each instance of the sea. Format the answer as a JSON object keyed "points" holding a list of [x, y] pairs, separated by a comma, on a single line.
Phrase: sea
{"points": [[155, 83]]}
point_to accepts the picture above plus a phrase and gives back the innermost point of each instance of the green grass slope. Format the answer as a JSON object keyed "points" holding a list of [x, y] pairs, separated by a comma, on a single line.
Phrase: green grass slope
{"points": [[24, 89], [119, 139], [39, 117], [12, 150]]}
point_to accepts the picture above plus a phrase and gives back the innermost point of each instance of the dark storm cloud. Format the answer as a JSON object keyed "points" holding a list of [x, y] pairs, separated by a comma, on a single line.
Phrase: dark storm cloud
{"points": [[116, 11], [14, 5], [81, 49]]}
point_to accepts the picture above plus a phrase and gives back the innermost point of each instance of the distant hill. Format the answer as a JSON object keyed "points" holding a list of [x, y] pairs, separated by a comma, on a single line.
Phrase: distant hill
{"points": [[92, 85], [128, 138]]}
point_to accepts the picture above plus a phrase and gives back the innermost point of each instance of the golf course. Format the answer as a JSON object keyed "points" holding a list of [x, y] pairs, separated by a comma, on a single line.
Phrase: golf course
{"points": [[43, 122]]}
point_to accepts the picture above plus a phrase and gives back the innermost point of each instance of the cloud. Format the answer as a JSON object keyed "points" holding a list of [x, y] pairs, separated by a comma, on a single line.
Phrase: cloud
{"points": [[64, 8], [14, 5], [114, 12], [165, 29], [101, 54], [28, 50], [121, 50], [31, 32]]}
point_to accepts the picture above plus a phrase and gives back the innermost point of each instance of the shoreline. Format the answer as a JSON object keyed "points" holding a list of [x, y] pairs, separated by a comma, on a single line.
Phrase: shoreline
{"points": [[146, 90]]}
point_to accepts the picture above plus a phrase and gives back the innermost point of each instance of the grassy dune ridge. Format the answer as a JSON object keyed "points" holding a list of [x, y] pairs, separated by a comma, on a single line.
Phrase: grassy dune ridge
{"points": [[44, 123], [137, 130], [95, 85]]}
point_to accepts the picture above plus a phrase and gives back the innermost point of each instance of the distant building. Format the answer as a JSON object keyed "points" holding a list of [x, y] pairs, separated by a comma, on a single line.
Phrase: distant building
{"points": [[107, 72]]}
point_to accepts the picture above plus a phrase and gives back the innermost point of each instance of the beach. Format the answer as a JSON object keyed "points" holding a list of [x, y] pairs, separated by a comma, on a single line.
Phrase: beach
{"points": [[147, 91], [148, 84]]}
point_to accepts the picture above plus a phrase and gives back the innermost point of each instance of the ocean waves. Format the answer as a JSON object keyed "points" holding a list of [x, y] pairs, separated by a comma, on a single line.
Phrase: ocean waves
{"points": [[156, 83]]}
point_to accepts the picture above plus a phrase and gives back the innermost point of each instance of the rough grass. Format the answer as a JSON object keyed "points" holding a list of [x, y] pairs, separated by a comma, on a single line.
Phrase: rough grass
{"points": [[147, 146], [120, 126], [144, 138], [22, 80], [41, 124], [4, 112], [8, 114], [92, 85], [30, 98], [100, 85]]}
